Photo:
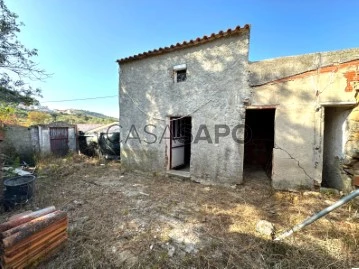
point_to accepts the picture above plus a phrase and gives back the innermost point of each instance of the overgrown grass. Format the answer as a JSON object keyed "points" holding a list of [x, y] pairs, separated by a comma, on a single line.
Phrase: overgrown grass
{"points": [[127, 220]]}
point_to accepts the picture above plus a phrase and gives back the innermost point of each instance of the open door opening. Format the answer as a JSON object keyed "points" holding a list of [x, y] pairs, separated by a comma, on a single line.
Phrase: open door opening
{"points": [[180, 143], [259, 142], [335, 137]]}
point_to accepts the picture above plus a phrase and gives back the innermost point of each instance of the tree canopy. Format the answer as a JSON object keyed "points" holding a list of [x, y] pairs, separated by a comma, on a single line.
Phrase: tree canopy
{"points": [[16, 62]]}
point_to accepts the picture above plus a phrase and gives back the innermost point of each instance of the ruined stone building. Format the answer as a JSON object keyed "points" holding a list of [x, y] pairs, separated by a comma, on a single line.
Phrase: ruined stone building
{"points": [[201, 109]]}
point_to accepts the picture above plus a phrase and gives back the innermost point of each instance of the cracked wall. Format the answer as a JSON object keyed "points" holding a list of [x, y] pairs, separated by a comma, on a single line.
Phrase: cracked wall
{"points": [[300, 99]]}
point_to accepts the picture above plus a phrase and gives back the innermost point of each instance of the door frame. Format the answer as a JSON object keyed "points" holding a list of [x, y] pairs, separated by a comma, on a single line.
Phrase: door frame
{"points": [[54, 138], [169, 145], [320, 135], [261, 107]]}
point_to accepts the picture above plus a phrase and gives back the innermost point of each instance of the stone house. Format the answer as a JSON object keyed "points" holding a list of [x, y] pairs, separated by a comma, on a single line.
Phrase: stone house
{"points": [[201, 109]]}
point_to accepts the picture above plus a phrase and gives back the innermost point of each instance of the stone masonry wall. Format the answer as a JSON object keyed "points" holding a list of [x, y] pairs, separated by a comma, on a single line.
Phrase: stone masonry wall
{"points": [[351, 159]]}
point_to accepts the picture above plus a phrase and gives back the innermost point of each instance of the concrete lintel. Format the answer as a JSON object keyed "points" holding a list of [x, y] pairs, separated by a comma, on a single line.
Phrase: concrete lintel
{"points": [[338, 104], [261, 107]]}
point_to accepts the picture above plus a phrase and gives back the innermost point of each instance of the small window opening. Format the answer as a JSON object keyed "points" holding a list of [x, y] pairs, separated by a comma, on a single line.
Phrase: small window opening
{"points": [[181, 75]]}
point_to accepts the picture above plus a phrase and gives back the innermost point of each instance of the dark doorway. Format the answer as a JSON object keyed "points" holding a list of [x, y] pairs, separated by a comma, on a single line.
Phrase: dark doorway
{"points": [[180, 156], [259, 140], [335, 136]]}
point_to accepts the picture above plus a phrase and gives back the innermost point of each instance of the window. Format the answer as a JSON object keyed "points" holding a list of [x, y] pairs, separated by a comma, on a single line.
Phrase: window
{"points": [[180, 72], [181, 75]]}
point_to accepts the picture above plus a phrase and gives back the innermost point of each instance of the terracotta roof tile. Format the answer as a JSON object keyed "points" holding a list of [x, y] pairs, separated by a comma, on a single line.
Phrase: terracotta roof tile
{"points": [[185, 44]]}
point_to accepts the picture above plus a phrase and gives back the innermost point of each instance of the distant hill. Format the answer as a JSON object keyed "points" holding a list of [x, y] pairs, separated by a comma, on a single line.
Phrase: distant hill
{"points": [[83, 113], [30, 115], [86, 113]]}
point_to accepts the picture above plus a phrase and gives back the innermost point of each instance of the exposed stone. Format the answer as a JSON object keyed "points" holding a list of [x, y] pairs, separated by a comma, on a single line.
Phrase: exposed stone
{"points": [[127, 258], [354, 115], [311, 193], [352, 149], [190, 248], [171, 250], [265, 227], [353, 126], [78, 202], [347, 161]]}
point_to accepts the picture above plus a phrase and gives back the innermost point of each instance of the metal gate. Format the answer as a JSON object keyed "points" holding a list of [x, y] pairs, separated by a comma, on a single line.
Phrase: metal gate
{"points": [[59, 140]]}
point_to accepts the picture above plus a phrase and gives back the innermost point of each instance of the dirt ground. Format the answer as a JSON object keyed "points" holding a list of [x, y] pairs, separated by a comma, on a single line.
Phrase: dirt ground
{"points": [[129, 220]]}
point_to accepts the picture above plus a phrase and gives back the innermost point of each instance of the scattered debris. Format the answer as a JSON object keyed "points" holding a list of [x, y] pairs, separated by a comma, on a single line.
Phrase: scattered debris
{"points": [[117, 226], [78, 202], [127, 258], [17, 171], [171, 250]]}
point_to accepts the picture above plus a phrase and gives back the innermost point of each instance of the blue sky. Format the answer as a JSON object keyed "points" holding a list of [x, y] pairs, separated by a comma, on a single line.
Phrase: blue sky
{"points": [[80, 40]]}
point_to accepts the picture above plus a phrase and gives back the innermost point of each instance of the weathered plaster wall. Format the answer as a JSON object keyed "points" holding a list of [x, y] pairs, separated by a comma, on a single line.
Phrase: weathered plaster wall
{"points": [[44, 139], [299, 98], [18, 143], [72, 139], [212, 94], [34, 134]]}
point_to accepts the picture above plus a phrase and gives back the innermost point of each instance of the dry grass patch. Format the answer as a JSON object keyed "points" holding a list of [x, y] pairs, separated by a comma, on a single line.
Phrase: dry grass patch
{"points": [[127, 220]]}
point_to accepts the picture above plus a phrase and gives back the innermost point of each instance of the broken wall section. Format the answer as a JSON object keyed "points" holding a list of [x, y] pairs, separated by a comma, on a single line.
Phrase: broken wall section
{"points": [[300, 88], [336, 134], [350, 164]]}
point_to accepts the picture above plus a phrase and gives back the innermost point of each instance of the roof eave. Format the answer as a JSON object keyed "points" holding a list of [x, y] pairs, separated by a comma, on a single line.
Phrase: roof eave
{"points": [[186, 44]]}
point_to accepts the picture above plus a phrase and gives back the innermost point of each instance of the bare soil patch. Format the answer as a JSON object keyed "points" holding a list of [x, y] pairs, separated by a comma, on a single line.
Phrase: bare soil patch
{"points": [[129, 220]]}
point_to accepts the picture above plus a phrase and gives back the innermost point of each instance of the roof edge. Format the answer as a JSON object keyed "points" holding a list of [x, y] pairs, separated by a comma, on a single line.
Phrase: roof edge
{"points": [[282, 68], [186, 44]]}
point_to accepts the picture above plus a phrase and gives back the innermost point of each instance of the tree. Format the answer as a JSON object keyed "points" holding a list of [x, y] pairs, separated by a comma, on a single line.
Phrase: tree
{"points": [[16, 62], [8, 114], [37, 117]]}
